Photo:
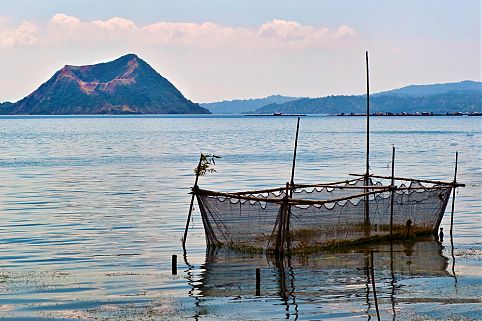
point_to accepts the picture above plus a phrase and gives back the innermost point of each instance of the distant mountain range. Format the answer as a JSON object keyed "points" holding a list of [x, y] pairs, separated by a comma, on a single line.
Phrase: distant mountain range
{"points": [[127, 85], [434, 89], [239, 106], [465, 96]]}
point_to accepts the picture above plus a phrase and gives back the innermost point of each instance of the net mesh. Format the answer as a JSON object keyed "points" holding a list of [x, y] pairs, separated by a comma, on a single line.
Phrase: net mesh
{"points": [[321, 216]]}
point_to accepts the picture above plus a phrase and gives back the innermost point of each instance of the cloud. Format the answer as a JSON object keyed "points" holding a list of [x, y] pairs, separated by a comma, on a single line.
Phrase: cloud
{"points": [[25, 34], [291, 34], [61, 20], [345, 32], [276, 34], [204, 35], [115, 24]]}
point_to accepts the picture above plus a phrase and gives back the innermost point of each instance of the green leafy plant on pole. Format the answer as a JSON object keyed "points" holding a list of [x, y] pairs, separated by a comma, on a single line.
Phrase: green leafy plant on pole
{"points": [[205, 164]]}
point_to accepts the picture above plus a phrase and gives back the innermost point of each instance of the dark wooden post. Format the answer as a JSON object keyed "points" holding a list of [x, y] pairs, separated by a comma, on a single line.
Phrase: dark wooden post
{"points": [[453, 194], [393, 193], [258, 282], [174, 264], [192, 201]]}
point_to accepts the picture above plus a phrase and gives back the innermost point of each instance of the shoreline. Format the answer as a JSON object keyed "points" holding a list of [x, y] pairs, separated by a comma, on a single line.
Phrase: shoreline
{"points": [[424, 114]]}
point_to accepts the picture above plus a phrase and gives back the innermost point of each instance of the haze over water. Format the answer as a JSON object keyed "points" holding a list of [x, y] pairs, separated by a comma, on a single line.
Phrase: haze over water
{"points": [[92, 208]]}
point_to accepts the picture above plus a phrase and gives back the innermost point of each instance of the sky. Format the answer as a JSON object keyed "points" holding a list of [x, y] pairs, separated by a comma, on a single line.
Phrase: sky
{"points": [[214, 50]]}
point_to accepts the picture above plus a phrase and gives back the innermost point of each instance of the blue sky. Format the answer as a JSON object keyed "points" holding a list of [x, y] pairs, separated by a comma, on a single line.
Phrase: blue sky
{"points": [[213, 50]]}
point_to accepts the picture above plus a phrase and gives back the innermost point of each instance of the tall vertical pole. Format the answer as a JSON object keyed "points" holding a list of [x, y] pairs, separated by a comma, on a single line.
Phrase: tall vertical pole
{"points": [[192, 201], [392, 198], [452, 216], [292, 187], [453, 194], [367, 169], [292, 181]]}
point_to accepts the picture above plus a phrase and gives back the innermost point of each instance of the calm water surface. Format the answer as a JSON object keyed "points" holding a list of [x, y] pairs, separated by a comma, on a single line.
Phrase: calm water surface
{"points": [[92, 208]]}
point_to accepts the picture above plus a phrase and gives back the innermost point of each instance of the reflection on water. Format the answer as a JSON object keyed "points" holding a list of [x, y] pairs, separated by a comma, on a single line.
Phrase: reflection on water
{"points": [[302, 284]]}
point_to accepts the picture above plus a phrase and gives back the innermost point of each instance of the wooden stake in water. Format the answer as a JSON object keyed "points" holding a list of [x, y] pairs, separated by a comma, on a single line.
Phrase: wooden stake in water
{"points": [[393, 193], [258, 282], [452, 216], [453, 194], [192, 201], [174, 264]]}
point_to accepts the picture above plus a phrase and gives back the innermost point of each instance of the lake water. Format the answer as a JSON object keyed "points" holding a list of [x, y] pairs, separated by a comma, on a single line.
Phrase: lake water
{"points": [[92, 208]]}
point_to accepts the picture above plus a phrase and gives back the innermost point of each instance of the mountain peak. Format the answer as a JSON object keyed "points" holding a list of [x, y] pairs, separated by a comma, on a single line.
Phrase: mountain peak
{"points": [[125, 85], [129, 56]]}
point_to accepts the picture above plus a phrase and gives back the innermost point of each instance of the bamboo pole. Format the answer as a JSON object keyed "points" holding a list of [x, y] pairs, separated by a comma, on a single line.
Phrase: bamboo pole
{"points": [[315, 202], [192, 201], [279, 189], [453, 194], [260, 191], [393, 193], [347, 181], [292, 181], [417, 188], [367, 167], [308, 202], [413, 180], [241, 197], [452, 217], [291, 201], [453, 257], [291, 189], [346, 187], [330, 186]]}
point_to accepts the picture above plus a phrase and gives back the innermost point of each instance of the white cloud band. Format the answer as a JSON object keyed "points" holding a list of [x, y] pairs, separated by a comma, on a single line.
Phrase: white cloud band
{"points": [[276, 34]]}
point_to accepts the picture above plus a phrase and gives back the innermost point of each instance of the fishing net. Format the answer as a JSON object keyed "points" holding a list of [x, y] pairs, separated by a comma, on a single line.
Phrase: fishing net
{"points": [[309, 217]]}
